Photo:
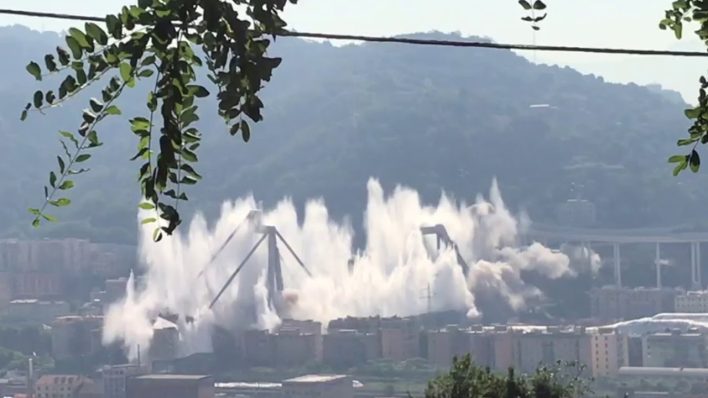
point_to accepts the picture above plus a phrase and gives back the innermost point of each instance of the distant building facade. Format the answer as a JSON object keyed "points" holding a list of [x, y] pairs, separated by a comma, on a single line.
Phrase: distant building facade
{"points": [[291, 347], [172, 386], [675, 350], [618, 303], [75, 336], [164, 345], [60, 386], [347, 347], [37, 311], [368, 338], [692, 302], [115, 379], [602, 351], [547, 347]]}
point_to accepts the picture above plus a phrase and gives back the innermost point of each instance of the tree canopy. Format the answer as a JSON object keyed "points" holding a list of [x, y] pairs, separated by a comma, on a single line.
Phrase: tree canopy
{"points": [[165, 41], [684, 12], [465, 379]]}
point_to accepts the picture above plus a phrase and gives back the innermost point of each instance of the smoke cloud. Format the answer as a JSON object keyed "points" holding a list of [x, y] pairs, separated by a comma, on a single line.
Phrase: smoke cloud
{"points": [[390, 276]]}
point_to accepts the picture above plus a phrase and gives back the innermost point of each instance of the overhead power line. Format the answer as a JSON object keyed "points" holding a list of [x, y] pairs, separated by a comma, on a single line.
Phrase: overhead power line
{"points": [[407, 40]]}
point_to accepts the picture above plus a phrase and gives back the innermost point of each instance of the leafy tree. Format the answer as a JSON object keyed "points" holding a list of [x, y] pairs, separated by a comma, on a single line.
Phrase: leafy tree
{"points": [[465, 379], [164, 42], [681, 12]]}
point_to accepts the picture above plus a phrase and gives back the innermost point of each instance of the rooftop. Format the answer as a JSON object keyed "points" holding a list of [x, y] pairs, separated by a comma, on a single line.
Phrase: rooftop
{"points": [[653, 371], [316, 379], [172, 377]]}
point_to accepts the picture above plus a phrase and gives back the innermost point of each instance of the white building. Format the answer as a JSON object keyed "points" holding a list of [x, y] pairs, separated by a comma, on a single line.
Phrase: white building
{"points": [[319, 386]]}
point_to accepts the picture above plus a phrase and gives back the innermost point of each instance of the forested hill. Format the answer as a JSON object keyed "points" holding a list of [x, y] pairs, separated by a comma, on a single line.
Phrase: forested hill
{"points": [[432, 118]]}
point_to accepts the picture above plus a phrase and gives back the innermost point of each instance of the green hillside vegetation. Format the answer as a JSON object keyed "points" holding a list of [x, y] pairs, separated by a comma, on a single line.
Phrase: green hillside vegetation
{"points": [[431, 118]]}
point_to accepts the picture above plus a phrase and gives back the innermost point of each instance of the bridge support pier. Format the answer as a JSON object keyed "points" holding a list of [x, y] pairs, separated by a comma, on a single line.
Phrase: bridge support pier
{"points": [[657, 261], [696, 280], [617, 263]]}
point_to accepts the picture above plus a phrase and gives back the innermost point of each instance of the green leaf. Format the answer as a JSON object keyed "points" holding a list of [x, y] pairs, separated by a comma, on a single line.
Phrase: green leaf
{"points": [[157, 235], [49, 217], [694, 161], [93, 139], [66, 150], [245, 131], [61, 202], [68, 184], [74, 46], [680, 166], [148, 220], [678, 30], [113, 110], [34, 70], [35, 212], [146, 206], [96, 33], [187, 168], [685, 141], [114, 26], [38, 98], [88, 116], [140, 153], [81, 39], [70, 136], [692, 113], [49, 63], [677, 159], [539, 5], [139, 123], [96, 105], [525, 4], [63, 56], [82, 158], [188, 180], [81, 77], [126, 71], [198, 91], [188, 117], [52, 179], [145, 73], [61, 164], [36, 222]]}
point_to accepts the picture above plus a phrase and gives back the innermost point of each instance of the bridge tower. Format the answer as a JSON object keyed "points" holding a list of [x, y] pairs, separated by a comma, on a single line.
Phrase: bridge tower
{"points": [[696, 280], [657, 262], [617, 263]]}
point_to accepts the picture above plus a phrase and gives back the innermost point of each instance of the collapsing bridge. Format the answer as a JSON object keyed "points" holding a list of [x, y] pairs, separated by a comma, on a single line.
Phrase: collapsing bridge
{"points": [[274, 275], [442, 237]]}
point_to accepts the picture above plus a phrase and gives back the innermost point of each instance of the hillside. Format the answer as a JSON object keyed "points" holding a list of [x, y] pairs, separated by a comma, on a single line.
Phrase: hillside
{"points": [[432, 118]]}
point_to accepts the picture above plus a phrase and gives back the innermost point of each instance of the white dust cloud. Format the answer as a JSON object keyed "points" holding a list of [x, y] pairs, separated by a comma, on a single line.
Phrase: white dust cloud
{"points": [[390, 275]]}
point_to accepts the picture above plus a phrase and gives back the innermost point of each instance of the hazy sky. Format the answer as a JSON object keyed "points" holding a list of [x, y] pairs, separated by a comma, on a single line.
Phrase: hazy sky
{"points": [[615, 23]]}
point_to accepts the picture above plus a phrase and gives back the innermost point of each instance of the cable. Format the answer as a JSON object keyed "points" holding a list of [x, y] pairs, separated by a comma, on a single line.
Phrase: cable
{"points": [[499, 46], [51, 15], [403, 40]]}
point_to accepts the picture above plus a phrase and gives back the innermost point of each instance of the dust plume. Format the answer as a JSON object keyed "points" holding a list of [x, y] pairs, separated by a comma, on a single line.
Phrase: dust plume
{"points": [[388, 277]]}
